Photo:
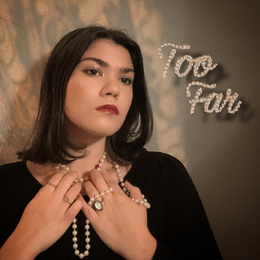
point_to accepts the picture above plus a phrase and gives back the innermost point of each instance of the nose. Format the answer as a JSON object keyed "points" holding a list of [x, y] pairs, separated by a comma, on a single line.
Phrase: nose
{"points": [[111, 88]]}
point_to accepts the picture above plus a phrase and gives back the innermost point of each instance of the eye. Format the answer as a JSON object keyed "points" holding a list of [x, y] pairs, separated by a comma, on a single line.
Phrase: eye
{"points": [[126, 81], [92, 72]]}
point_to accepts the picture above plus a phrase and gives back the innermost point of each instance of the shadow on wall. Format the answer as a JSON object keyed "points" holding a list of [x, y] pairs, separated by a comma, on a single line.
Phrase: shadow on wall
{"points": [[28, 31], [22, 113], [37, 26]]}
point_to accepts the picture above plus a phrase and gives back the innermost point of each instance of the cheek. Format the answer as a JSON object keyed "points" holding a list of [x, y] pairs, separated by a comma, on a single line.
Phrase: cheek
{"points": [[78, 93], [73, 92]]}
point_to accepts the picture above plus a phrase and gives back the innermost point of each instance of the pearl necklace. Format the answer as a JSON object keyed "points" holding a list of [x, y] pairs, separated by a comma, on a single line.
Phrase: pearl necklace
{"points": [[87, 226]]}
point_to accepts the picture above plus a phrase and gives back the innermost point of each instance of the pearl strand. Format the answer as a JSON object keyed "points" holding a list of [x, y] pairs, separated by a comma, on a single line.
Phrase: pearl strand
{"points": [[75, 239], [87, 226], [143, 202]]}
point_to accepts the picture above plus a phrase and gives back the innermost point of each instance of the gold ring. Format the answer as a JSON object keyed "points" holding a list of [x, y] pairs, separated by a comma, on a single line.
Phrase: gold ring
{"points": [[51, 184], [66, 199]]}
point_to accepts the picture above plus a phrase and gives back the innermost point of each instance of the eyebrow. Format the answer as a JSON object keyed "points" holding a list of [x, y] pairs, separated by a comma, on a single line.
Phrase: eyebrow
{"points": [[105, 64]]}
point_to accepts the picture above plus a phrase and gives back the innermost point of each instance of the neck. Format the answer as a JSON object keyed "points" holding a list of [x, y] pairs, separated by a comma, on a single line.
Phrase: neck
{"points": [[93, 154]]}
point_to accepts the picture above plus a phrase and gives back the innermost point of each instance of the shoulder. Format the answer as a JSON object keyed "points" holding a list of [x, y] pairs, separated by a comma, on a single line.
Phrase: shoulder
{"points": [[161, 173], [15, 179], [159, 160], [12, 172], [160, 169], [10, 168]]}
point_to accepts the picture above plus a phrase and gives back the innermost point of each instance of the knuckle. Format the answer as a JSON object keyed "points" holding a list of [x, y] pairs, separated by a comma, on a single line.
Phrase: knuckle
{"points": [[121, 198]]}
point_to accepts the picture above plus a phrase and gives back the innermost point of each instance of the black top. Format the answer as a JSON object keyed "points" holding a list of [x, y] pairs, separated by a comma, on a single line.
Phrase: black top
{"points": [[176, 218]]}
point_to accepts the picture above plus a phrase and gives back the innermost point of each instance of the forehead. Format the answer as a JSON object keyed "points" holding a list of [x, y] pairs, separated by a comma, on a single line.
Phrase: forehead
{"points": [[110, 52]]}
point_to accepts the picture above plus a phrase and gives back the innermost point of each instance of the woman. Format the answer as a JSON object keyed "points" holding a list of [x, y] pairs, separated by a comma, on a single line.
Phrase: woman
{"points": [[78, 190]]}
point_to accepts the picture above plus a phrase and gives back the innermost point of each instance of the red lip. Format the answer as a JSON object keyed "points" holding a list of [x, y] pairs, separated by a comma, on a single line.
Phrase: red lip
{"points": [[110, 109]]}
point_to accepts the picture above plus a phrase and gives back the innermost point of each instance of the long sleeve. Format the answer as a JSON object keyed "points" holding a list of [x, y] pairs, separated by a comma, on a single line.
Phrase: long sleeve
{"points": [[177, 218]]}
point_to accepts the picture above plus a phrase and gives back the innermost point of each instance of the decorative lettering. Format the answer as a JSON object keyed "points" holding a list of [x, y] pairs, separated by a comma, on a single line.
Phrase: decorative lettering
{"points": [[205, 62]]}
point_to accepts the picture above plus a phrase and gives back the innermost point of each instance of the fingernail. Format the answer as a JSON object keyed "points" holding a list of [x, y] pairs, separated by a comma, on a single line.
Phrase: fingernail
{"points": [[97, 166], [128, 181], [77, 196]]}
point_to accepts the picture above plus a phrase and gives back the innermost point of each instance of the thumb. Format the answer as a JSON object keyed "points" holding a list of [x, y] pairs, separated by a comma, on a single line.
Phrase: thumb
{"points": [[134, 192]]}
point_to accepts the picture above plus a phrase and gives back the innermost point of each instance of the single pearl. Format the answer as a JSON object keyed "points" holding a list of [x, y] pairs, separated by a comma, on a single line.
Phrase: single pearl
{"points": [[74, 226]]}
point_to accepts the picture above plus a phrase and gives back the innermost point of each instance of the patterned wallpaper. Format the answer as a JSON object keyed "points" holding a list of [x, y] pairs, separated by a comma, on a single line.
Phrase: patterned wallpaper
{"points": [[29, 29], [221, 151]]}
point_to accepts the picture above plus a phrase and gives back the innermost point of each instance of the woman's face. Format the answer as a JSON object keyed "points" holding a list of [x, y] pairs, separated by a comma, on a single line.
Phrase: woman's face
{"points": [[99, 92]]}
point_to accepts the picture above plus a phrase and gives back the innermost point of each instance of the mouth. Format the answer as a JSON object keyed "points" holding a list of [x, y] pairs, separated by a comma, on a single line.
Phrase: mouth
{"points": [[108, 109]]}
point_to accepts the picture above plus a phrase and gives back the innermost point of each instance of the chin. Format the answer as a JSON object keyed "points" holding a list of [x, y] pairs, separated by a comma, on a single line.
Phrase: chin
{"points": [[109, 133], [104, 131]]}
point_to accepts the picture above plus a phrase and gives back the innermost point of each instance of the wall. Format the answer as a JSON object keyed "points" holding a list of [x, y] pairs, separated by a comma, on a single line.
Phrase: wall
{"points": [[220, 150]]}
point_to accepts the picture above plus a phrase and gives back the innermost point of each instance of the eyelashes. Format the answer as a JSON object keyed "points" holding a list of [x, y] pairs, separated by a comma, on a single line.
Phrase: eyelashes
{"points": [[93, 72], [97, 73], [127, 81]]}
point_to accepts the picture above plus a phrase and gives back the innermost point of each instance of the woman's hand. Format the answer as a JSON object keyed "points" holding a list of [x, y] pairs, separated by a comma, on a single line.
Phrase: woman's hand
{"points": [[45, 218], [122, 224]]}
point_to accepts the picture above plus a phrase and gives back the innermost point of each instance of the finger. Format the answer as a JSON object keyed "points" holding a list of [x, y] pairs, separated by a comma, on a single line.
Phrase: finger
{"points": [[88, 211], [111, 180], [55, 179], [136, 196], [71, 195], [73, 210], [90, 189], [134, 192], [66, 182], [98, 180]]}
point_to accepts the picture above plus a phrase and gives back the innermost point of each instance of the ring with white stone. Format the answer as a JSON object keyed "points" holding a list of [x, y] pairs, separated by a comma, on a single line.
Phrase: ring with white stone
{"points": [[91, 201], [97, 205]]}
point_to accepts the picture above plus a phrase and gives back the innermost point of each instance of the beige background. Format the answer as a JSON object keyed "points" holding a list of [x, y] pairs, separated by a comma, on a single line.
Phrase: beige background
{"points": [[220, 151]]}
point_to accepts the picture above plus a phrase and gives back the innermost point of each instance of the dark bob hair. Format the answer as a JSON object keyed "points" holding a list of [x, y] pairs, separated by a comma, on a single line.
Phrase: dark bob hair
{"points": [[48, 141]]}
